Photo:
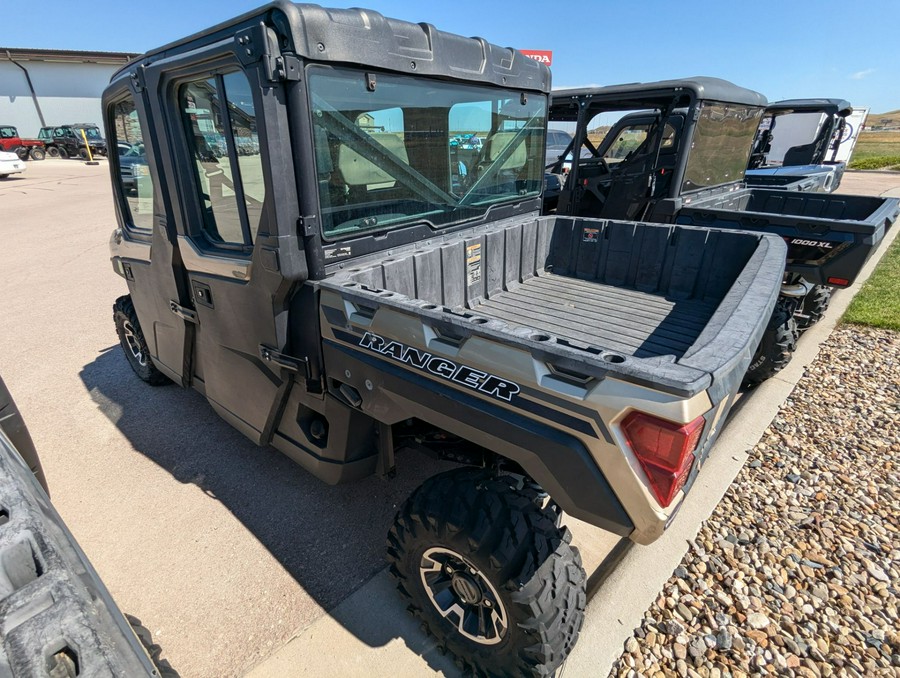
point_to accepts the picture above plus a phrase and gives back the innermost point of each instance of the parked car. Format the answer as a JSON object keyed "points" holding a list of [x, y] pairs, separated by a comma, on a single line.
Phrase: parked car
{"points": [[10, 163], [558, 142], [132, 166]]}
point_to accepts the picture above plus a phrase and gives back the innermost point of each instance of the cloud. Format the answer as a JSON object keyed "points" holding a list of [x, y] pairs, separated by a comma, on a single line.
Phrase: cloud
{"points": [[859, 75]]}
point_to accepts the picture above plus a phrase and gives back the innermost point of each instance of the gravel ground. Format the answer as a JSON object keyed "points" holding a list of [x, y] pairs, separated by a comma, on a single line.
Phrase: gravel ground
{"points": [[797, 571]]}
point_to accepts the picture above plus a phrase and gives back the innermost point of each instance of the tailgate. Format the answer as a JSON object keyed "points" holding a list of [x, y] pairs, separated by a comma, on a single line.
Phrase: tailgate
{"points": [[829, 236]]}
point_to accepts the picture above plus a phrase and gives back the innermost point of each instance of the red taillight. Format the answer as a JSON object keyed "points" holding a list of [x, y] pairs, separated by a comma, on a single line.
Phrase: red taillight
{"points": [[664, 449], [838, 282]]}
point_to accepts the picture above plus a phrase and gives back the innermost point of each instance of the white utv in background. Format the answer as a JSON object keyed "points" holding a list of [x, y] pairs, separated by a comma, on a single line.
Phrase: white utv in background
{"points": [[803, 144], [312, 253]]}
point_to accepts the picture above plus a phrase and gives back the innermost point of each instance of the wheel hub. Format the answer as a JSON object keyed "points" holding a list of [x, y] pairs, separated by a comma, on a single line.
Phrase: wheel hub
{"points": [[466, 588], [463, 595]]}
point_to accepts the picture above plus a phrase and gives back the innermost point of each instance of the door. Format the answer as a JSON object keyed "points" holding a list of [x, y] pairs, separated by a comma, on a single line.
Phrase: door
{"points": [[146, 241], [853, 124], [226, 129]]}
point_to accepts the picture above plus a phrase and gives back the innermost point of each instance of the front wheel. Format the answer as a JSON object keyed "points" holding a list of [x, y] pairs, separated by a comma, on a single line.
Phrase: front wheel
{"points": [[134, 344], [53, 151], [63, 153], [489, 572]]}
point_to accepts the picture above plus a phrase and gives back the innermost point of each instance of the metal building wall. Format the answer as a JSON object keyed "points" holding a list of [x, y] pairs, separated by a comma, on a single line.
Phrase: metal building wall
{"points": [[67, 93]]}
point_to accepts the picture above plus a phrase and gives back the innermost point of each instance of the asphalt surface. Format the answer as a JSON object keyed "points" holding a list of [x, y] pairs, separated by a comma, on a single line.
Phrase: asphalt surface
{"points": [[224, 550]]}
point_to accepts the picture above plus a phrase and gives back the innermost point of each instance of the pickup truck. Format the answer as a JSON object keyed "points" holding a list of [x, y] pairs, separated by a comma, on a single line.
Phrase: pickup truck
{"points": [[797, 143], [678, 154], [58, 618], [10, 141], [348, 287]]}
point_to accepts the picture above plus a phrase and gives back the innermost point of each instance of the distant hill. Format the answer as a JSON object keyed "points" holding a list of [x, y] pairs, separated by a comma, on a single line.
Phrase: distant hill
{"points": [[883, 121]]}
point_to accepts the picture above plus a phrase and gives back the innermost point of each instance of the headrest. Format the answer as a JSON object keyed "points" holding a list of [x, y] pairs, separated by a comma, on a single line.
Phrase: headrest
{"points": [[498, 143], [359, 171]]}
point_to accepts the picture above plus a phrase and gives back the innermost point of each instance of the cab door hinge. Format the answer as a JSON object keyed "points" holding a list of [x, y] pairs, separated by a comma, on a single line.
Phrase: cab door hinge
{"points": [[286, 67], [184, 313], [287, 362], [308, 225], [138, 79], [258, 44]]}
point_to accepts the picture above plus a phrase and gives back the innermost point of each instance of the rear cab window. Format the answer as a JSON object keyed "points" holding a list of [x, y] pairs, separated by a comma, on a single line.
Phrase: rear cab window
{"points": [[721, 145], [411, 150]]}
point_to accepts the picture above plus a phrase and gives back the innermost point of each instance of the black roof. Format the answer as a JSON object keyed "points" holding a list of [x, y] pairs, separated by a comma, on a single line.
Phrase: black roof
{"points": [[839, 106], [364, 36], [637, 94]]}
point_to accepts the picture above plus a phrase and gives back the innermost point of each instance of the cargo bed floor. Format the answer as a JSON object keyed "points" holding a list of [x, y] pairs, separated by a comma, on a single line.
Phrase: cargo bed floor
{"points": [[617, 319]]}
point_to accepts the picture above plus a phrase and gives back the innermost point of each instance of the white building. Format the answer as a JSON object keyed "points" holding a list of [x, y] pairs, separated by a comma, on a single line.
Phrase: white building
{"points": [[44, 87]]}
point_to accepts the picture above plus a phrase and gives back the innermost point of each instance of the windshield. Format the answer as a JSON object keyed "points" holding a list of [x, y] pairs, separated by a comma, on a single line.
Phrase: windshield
{"points": [[90, 132], [393, 150], [721, 145]]}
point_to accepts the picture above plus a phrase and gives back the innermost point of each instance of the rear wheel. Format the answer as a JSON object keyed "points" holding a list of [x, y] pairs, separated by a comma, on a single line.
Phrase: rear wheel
{"points": [[776, 348], [814, 306], [37, 153], [133, 343], [53, 151], [489, 573]]}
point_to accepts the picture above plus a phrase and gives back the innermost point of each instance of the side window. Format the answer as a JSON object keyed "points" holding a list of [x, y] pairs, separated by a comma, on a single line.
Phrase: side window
{"points": [[628, 140], [135, 179], [220, 122]]}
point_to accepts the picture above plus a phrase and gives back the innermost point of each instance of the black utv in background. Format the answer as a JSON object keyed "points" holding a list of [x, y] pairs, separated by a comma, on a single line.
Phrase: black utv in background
{"points": [[67, 141], [676, 151], [57, 617]]}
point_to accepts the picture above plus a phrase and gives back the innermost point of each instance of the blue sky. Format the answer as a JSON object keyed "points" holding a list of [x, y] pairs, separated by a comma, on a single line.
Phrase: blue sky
{"points": [[786, 49]]}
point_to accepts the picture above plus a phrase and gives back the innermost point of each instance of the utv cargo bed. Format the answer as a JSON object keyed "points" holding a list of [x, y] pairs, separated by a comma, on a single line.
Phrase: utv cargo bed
{"points": [[631, 322], [651, 303], [829, 236]]}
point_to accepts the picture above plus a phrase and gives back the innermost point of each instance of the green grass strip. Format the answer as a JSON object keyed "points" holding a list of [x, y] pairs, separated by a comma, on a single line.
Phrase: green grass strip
{"points": [[878, 302]]}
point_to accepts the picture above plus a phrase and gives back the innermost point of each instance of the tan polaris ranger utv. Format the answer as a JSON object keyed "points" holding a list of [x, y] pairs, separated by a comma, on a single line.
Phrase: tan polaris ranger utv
{"points": [[310, 250]]}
